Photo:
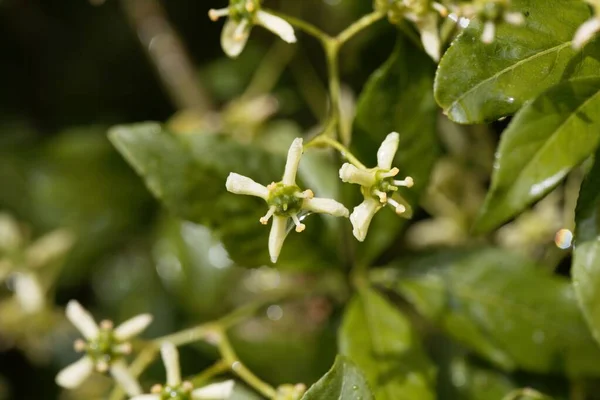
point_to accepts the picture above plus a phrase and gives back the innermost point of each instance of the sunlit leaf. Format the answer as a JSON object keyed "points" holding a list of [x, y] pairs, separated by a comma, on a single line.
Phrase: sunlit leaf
{"points": [[343, 382]]}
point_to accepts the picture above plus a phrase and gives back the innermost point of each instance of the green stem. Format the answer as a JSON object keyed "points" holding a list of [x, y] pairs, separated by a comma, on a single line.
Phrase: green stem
{"points": [[325, 140], [304, 26], [216, 369], [231, 359], [358, 26], [138, 366]]}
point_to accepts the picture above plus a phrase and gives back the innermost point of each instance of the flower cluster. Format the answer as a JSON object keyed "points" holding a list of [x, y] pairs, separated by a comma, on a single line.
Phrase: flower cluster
{"points": [[176, 389], [242, 16], [287, 201]]}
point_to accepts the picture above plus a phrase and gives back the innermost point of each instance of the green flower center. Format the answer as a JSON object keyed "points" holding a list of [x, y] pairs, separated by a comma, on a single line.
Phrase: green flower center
{"points": [[176, 393], [103, 348], [285, 199], [243, 9]]}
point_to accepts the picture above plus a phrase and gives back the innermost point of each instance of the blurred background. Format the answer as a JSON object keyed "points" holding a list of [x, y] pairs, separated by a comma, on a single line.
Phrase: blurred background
{"points": [[69, 70]]}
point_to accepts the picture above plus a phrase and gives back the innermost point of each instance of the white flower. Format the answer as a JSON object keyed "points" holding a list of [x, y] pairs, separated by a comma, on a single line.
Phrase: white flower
{"points": [[175, 389], [586, 32], [285, 199], [242, 15], [377, 185], [105, 347]]}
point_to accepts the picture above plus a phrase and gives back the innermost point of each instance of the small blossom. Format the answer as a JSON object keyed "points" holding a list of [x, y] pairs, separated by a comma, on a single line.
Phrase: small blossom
{"points": [[589, 28], [242, 15], [377, 185], [105, 347], [285, 199], [491, 13], [175, 389]]}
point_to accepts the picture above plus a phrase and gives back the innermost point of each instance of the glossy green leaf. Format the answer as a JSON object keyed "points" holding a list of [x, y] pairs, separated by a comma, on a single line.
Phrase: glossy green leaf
{"points": [[382, 342], [586, 256], [398, 98], [502, 306], [478, 82], [344, 381], [545, 140], [188, 173]]}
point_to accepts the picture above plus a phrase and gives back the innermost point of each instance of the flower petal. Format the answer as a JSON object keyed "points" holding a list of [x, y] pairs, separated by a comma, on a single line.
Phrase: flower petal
{"points": [[49, 247], [29, 292], [216, 391], [277, 236], [73, 375], [430, 37], [235, 36], [277, 25], [326, 206], [170, 357], [293, 160], [132, 327], [489, 32], [351, 174], [128, 382], [240, 184], [82, 319], [361, 217], [387, 151], [586, 32]]}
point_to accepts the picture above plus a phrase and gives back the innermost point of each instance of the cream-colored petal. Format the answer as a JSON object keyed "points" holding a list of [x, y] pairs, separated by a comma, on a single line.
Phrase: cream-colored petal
{"points": [[73, 375], [277, 236], [293, 160], [277, 25], [514, 18], [235, 36], [216, 391], [586, 32], [430, 36], [489, 32], [126, 380], [351, 174], [325, 206], [361, 217], [49, 247], [240, 184], [146, 397], [29, 292], [170, 357], [132, 326], [387, 150], [82, 319]]}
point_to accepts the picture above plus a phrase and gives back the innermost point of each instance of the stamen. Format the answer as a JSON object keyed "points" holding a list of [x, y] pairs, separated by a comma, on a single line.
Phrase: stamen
{"points": [[393, 172], [187, 386], [239, 31], [156, 389], [214, 15], [250, 6], [102, 366], [399, 208], [79, 345], [271, 186], [443, 11], [383, 198], [407, 182], [299, 226], [107, 324], [307, 194], [264, 220], [124, 348]]}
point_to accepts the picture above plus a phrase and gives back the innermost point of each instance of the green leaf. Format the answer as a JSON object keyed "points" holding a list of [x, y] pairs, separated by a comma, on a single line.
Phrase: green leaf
{"points": [[398, 98], [478, 82], [505, 308], [381, 341], [188, 173], [472, 382], [344, 381], [526, 394], [586, 256], [545, 140]]}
